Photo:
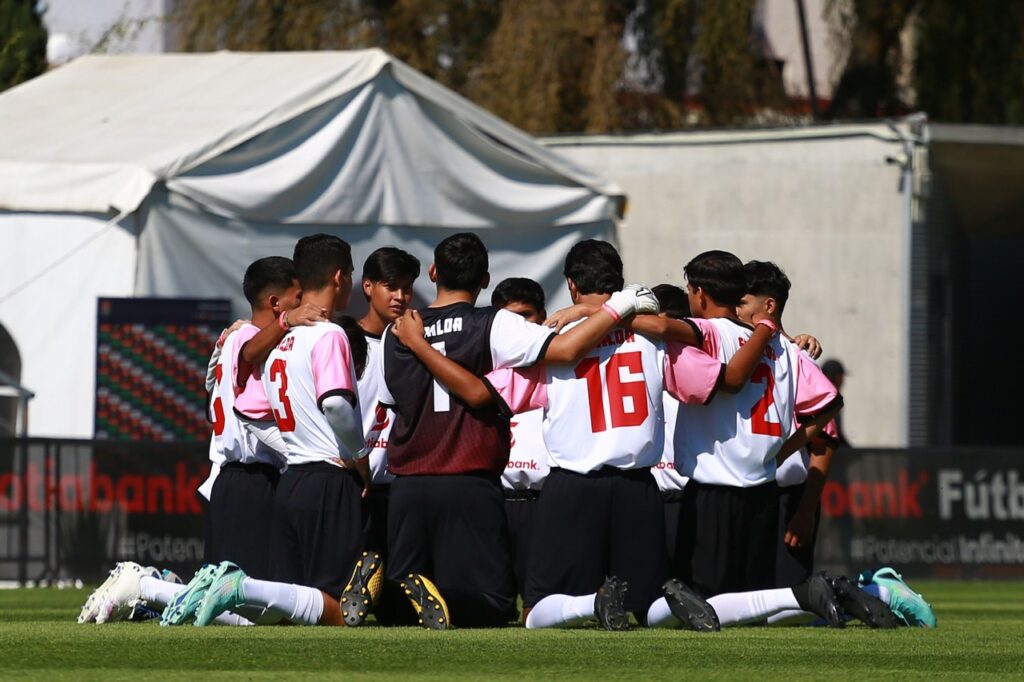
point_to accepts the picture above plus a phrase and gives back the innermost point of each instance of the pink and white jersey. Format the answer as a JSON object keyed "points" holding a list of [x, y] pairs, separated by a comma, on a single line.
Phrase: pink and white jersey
{"points": [[607, 409], [308, 365], [528, 457], [230, 438], [733, 440], [665, 473], [377, 418], [250, 396]]}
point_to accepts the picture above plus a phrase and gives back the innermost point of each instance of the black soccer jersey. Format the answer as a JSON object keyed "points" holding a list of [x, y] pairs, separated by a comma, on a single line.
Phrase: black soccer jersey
{"points": [[436, 432]]}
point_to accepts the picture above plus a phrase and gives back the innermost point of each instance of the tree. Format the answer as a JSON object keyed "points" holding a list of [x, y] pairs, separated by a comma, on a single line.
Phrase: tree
{"points": [[22, 42], [872, 30], [969, 62]]}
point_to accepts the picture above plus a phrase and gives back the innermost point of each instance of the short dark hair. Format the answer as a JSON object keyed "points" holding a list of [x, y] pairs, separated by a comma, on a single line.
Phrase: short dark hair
{"points": [[318, 256], [273, 274], [594, 266], [673, 301], [767, 279], [391, 265], [356, 341], [461, 262], [720, 274], [518, 290]]}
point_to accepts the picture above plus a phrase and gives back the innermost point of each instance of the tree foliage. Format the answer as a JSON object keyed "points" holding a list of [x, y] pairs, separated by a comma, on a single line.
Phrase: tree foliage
{"points": [[22, 42], [969, 63]]}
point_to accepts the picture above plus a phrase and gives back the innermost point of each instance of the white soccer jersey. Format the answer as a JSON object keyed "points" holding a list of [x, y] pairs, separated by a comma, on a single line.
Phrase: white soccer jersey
{"points": [[230, 437], [607, 409], [528, 457], [665, 473], [794, 470], [733, 441], [377, 418], [308, 365]]}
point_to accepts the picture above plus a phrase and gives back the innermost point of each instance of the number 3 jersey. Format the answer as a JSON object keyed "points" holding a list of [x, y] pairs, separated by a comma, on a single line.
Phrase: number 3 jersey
{"points": [[733, 441], [435, 432], [607, 409], [307, 366]]}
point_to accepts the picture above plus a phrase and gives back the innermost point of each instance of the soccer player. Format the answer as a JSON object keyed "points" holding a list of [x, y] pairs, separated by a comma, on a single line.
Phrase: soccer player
{"points": [[388, 277], [241, 499], [675, 305], [387, 283], [801, 476], [527, 465], [446, 517], [601, 510], [728, 447]]}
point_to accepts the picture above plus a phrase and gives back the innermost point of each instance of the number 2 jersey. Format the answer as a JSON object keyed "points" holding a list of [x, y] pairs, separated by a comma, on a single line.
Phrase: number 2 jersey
{"points": [[606, 410], [308, 365], [733, 441], [435, 432]]}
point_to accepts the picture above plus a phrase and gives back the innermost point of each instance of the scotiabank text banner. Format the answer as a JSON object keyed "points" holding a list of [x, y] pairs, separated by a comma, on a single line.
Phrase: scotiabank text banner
{"points": [[71, 509], [955, 513]]}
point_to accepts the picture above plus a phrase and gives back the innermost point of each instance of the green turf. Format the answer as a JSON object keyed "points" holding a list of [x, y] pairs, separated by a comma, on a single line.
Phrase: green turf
{"points": [[981, 632]]}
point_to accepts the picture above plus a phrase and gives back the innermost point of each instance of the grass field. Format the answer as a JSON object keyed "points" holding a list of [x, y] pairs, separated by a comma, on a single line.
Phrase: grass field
{"points": [[981, 633]]}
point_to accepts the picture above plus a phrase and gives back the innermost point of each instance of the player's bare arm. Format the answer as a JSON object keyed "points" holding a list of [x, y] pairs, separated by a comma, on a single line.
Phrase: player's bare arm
{"points": [[745, 361], [801, 527], [255, 351], [665, 329], [468, 387], [808, 430], [571, 346]]}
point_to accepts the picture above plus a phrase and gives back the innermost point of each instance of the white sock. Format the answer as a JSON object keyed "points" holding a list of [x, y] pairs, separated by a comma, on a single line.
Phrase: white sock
{"points": [[301, 605], [879, 591], [660, 615], [160, 592], [792, 617], [561, 610], [746, 607]]}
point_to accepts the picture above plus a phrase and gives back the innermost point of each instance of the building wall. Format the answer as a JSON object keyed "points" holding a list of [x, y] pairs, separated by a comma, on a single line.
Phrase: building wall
{"points": [[827, 210]]}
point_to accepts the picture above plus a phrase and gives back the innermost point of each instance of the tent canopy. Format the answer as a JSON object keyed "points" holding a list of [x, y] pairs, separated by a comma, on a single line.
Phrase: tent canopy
{"points": [[98, 134]]}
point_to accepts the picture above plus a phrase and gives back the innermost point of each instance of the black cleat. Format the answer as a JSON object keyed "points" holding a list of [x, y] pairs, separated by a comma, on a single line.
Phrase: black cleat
{"points": [[363, 589], [689, 607], [427, 601], [608, 605], [821, 600], [865, 607]]}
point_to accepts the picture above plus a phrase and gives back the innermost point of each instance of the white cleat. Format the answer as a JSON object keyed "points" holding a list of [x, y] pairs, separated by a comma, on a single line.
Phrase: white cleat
{"points": [[92, 604], [120, 597]]}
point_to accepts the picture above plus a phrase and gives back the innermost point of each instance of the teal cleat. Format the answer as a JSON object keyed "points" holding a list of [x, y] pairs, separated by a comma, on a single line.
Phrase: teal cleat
{"points": [[909, 607], [224, 594], [186, 602]]}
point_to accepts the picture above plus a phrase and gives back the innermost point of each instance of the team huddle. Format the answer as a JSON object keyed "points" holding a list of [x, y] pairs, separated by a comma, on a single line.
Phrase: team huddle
{"points": [[657, 452]]}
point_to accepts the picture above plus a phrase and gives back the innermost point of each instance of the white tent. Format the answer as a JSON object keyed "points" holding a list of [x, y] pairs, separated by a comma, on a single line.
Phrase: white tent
{"points": [[165, 175]]}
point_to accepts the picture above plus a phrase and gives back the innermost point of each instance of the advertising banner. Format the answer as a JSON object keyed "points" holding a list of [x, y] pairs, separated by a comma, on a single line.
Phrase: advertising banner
{"points": [[932, 513], [71, 509]]}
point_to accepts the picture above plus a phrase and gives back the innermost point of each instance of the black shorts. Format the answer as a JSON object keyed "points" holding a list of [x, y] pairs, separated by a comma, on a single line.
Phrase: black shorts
{"points": [[726, 540], [671, 501], [609, 522], [241, 516], [793, 566], [377, 506], [320, 526], [453, 530], [521, 509]]}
